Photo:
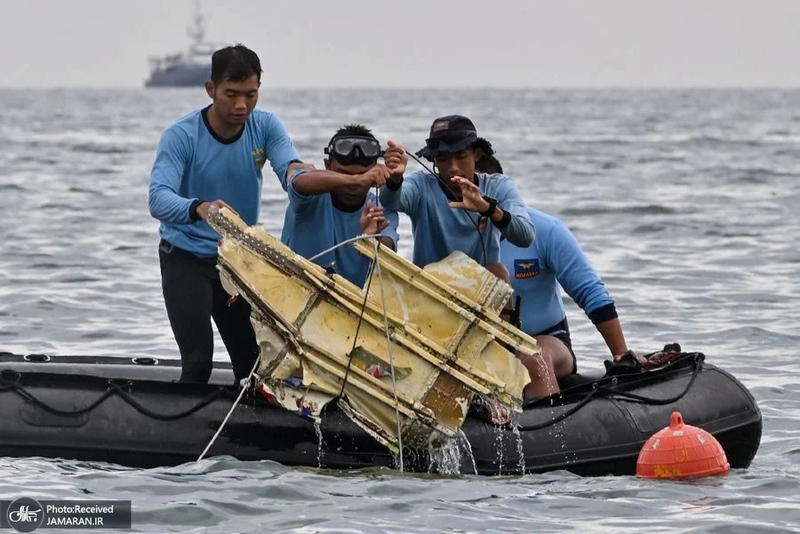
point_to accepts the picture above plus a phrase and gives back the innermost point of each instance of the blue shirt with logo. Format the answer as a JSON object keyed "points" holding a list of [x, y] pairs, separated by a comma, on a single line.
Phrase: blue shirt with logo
{"points": [[439, 230], [536, 271], [192, 164], [313, 224]]}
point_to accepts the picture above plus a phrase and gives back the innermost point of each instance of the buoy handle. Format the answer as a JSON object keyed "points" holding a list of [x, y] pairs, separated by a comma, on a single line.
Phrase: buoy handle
{"points": [[676, 421]]}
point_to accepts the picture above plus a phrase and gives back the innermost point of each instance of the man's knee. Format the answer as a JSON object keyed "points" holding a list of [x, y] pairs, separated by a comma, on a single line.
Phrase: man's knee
{"points": [[537, 365], [557, 355]]}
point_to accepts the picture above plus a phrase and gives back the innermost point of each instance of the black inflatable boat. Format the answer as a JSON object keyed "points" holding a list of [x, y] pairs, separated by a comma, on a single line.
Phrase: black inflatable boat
{"points": [[132, 412]]}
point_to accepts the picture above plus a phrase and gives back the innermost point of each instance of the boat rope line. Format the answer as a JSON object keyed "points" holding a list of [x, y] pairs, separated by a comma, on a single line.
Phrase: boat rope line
{"points": [[374, 268], [337, 245], [658, 402], [598, 388], [355, 337], [246, 383], [113, 389], [377, 264], [561, 417]]}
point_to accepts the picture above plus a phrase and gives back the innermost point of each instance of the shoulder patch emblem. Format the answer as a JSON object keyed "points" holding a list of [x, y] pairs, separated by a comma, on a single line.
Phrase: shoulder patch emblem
{"points": [[259, 158]]}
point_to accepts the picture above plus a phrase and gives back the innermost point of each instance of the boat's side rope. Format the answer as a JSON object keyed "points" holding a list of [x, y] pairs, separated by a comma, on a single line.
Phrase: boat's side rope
{"points": [[560, 417], [245, 383], [658, 402], [609, 391], [113, 389]]}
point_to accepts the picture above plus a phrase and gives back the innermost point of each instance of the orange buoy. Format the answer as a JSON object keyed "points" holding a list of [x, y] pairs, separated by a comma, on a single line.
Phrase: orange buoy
{"points": [[681, 451]]}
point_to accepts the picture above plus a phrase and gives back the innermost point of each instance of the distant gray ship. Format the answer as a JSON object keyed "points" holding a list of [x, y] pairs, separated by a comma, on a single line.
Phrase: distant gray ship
{"points": [[191, 68]]}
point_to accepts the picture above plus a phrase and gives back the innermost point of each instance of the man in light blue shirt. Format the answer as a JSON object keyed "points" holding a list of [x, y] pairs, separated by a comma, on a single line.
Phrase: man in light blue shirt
{"points": [[458, 208], [536, 272], [330, 206], [455, 209], [213, 157]]}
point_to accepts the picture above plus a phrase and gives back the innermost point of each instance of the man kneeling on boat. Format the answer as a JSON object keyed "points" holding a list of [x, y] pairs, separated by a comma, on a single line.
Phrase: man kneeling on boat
{"points": [[536, 272], [328, 207]]}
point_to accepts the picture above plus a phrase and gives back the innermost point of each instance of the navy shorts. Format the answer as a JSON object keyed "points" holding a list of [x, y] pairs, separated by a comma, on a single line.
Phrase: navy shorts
{"points": [[560, 331]]}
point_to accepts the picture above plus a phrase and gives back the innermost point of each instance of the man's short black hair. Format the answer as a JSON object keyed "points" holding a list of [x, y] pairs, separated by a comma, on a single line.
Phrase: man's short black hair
{"points": [[363, 147], [235, 63], [352, 130]]}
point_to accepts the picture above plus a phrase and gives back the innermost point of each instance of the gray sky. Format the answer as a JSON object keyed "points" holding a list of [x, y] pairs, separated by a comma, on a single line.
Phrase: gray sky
{"points": [[413, 43]]}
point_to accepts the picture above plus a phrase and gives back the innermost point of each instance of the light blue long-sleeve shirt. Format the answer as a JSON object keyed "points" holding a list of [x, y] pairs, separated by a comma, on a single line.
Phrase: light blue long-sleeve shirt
{"points": [[439, 230], [192, 163], [536, 271], [313, 224]]}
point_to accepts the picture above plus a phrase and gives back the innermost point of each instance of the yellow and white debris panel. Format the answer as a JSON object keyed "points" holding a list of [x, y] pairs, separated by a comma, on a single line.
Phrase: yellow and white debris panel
{"points": [[436, 329]]}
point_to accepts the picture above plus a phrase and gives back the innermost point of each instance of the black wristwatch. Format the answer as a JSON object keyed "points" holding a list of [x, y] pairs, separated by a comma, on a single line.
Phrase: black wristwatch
{"points": [[492, 207]]}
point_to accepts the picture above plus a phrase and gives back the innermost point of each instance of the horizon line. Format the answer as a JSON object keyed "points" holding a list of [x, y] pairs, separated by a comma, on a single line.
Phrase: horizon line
{"points": [[423, 88]]}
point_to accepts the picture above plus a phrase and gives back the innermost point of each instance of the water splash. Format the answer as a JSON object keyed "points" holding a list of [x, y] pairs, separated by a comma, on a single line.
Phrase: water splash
{"points": [[549, 378], [467, 447], [396, 457], [498, 439], [520, 449], [445, 459], [321, 446]]}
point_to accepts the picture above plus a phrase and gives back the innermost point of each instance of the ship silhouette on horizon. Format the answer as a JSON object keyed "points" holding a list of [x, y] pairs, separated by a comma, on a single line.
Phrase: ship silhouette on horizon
{"points": [[191, 68]]}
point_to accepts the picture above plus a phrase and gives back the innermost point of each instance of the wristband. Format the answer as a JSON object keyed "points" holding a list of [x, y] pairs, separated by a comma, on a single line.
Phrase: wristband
{"points": [[504, 221], [193, 215], [394, 186], [492, 207]]}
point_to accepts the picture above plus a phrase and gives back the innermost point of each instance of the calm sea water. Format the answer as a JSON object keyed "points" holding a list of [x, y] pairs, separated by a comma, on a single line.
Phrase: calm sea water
{"points": [[686, 202]]}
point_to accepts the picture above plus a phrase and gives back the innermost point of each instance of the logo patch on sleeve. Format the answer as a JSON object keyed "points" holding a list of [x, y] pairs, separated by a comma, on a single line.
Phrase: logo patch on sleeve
{"points": [[526, 268], [259, 158]]}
